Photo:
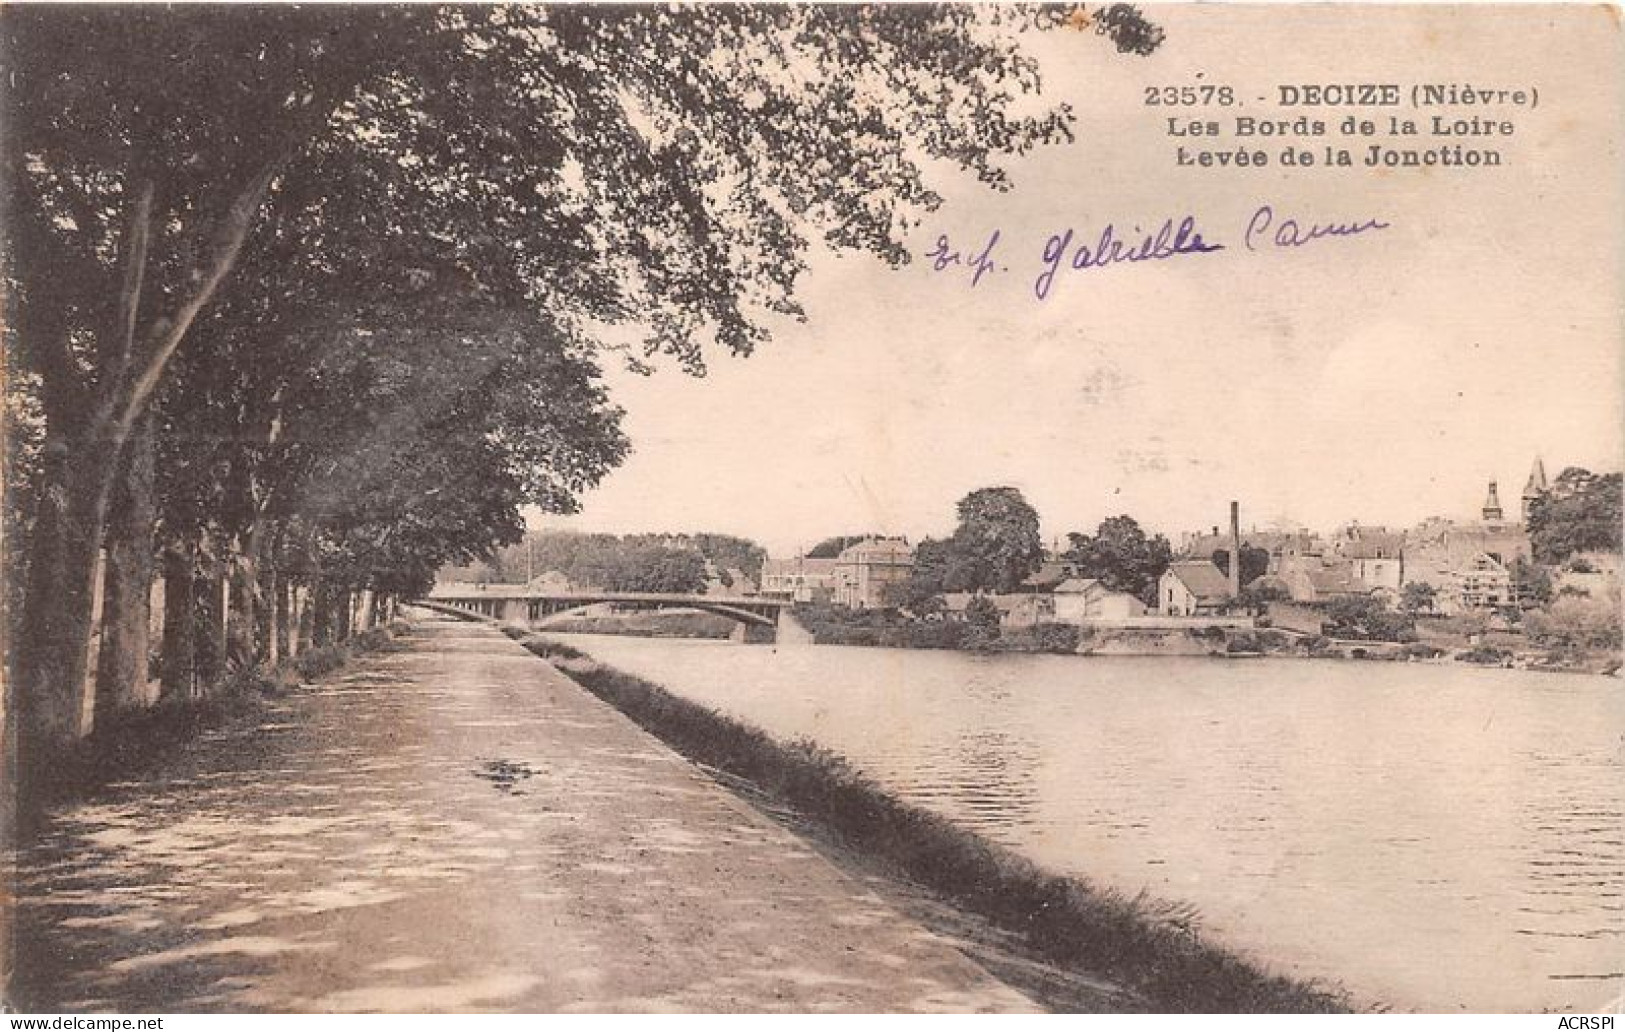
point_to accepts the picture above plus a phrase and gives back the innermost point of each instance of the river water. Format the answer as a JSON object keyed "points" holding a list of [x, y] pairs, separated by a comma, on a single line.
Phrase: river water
{"points": [[1433, 838]]}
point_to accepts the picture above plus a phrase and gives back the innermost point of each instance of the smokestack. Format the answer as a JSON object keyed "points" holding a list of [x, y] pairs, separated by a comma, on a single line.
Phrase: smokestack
{"points": [[1235, 549]]}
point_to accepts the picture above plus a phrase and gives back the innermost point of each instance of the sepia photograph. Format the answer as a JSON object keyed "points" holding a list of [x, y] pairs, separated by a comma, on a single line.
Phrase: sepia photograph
{"points": [[811, 508]]}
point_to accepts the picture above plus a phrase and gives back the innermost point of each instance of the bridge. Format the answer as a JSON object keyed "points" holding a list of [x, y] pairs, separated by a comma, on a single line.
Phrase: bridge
{"points": [[531, 607]]}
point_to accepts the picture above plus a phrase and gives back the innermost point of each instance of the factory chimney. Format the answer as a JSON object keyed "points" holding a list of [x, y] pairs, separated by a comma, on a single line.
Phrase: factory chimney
{"points": [[1235, 549]]}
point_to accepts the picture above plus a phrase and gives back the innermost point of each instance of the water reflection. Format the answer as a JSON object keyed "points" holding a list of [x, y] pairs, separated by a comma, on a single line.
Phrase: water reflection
{"points": [[1437, 838]]}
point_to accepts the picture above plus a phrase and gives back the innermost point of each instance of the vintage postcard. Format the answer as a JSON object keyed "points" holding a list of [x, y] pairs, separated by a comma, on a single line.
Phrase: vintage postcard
{"points": [[813, 508]]}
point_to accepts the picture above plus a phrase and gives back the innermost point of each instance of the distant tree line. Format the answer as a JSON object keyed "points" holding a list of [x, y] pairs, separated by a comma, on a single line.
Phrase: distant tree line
{"points": [[677, 563]]}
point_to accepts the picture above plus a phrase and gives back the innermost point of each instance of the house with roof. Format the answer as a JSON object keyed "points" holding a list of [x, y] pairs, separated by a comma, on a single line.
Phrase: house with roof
{"points": [[1484, 583], [1018, 609], [1088, 600], [1374, 556], [1194, 588], [1314, 580]]}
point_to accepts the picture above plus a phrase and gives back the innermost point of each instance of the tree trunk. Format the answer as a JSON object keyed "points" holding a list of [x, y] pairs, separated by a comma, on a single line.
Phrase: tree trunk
{"points": [[268, 650], [180, 648], [321, 615], [343, 610], [245, 644], [53, 641], [121, 671], [304, 619], [286, 618], [209, 637]]}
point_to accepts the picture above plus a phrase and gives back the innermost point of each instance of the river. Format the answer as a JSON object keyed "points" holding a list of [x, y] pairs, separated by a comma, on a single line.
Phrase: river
{"points": [[1433, 838]]}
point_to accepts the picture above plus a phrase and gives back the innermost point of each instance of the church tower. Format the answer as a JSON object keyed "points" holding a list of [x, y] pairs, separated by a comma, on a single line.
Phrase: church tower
{"points": [[1536, 487], [1492, 506]]}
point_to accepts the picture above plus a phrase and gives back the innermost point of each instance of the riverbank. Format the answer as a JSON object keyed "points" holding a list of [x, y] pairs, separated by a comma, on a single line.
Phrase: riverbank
{"points": [[1153, 952], [832, 625]]}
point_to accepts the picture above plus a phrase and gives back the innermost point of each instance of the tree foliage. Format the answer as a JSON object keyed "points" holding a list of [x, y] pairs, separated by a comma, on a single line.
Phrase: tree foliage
{"points": [[1581, 512], [675, 563], [1122, 557], [997, 544], [1365, 618], [1418, 597], [1576, 621]]}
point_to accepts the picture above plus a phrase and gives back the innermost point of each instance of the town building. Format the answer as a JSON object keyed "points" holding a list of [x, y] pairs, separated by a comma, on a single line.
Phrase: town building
{"points": [[799, 579], [1192, 588], [1023, 609], [1082, 600], [1315, 579], [1373, 557], [1471, 565], [1483, 583], [1282, 545], [1534, 488], [863, 570], [731, 581], [1460, 559]]}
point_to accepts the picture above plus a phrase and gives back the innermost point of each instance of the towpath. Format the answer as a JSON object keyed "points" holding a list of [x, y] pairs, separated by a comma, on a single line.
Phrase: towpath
{"points": [[454, 826]]}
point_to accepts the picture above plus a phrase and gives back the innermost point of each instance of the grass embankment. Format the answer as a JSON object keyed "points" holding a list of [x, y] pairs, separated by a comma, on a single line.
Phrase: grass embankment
{"points": [[886, 628], [142, 738], [1152, 949], [647, 625]]}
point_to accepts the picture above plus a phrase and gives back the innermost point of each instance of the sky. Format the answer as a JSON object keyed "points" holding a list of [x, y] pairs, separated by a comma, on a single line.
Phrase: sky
{"points": [[1384, 376]]}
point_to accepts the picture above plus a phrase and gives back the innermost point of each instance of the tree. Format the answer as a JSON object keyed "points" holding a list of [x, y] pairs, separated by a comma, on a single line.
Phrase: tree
{"points": [[982, 619], [1257, 596], [1418, 597], [130, 187], [996, 545], [1581, 512], [1363, 617], [656, 167], [1122, 557], [727, 552], [657, 568], [1255, 562], [928, 579]]}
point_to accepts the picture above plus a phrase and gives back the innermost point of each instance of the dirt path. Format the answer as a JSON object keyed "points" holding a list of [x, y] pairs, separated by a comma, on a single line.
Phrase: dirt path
{"points": [[455, 827]]}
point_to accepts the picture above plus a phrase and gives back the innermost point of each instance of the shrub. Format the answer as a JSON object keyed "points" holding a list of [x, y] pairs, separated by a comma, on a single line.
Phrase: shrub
{"points": [[1057, 637], [934, 635], [1244, 642], [320, 659], [1484, 655], [1578, 621]]}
